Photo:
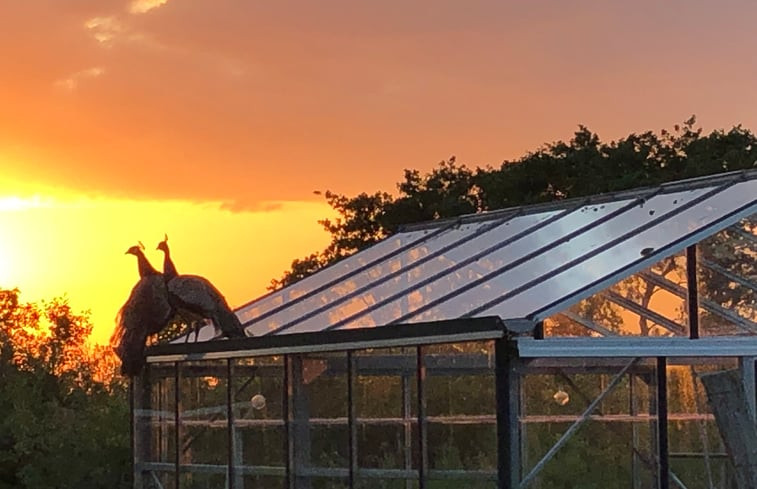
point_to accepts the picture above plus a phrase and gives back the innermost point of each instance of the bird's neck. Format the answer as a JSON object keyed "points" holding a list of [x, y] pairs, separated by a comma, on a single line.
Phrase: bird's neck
{"points": [[169, 269], [144, 266]]}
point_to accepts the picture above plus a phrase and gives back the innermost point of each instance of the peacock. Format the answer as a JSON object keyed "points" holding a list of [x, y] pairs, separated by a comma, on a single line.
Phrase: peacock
{"points": [[145, 312], [198, 296], [169, 269]]}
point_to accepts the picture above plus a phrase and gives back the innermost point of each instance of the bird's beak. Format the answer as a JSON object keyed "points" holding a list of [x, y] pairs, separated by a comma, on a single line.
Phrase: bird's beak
{"points": [[157, 247]]}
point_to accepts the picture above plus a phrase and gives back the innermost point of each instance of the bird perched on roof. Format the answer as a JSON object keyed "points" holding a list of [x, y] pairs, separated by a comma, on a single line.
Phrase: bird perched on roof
{"points": [[143, 265], [169, 269], [145, 312], [198, 296]]}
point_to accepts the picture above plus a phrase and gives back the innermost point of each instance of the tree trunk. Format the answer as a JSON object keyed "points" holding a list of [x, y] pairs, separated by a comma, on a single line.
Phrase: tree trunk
{"points": [[729, 405]]}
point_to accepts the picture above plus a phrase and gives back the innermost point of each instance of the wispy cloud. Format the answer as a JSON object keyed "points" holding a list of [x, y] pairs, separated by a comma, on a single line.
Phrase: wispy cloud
{"points": [[144, 6], [104, 29], [72, 82], [238, 206]]}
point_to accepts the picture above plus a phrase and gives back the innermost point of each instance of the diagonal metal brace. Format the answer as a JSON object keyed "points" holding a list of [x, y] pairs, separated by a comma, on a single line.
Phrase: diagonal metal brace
{"points": [[527, 480]]}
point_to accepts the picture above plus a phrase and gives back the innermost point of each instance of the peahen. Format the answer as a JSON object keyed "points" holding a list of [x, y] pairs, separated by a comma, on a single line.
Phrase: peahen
{"points": [[145, 312], [198, 296]]}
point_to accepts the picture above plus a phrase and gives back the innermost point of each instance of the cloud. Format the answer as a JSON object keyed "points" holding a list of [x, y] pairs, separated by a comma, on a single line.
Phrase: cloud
{"points": [[104, 29], [72, 82], [144, 6], [236, 206]]}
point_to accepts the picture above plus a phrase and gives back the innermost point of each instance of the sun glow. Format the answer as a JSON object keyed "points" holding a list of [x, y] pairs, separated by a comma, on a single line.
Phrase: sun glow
{"points": [[13, 203], [74, 246]]}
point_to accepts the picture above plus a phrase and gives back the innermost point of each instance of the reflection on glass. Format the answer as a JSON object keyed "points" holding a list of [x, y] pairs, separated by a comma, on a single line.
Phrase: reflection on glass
{"points": [[386, 422], [548, 293], [461, 413], [614, 448], [318, 418], [727, 284], [154, 419], [258, 428], [649, 303], [203, 423], [341, 269], [406, 287]]}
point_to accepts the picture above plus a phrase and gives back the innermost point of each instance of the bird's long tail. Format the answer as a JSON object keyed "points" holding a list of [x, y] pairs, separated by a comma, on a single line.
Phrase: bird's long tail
{"points": [[228, 323]]}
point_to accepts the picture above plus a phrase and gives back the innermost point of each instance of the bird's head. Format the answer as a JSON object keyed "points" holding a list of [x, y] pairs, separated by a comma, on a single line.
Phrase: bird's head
{"points": [[136, 250], [163, 245]]}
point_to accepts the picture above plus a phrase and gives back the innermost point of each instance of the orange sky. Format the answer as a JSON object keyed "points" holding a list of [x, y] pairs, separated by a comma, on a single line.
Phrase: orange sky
{"points": [[214, 121]]}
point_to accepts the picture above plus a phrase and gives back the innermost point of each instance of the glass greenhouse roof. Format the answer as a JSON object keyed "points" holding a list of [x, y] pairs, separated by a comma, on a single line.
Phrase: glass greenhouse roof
{"points": [[527, 262]]}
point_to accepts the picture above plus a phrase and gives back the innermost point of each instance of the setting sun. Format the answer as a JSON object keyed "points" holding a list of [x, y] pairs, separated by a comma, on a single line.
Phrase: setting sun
{"points": [[76, 247]]}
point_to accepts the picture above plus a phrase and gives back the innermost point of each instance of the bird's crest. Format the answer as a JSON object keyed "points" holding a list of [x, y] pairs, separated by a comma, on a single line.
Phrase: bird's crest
{"points": [[141, 245]]}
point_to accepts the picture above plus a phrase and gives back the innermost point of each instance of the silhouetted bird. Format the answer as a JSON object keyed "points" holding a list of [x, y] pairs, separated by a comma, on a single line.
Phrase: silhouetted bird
{"points": [[169, 269], [197, 295], [143, 266], [145, 312]]}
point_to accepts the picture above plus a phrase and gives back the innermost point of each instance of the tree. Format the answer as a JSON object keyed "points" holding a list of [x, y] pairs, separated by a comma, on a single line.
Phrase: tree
{"points": [[64, 418]]}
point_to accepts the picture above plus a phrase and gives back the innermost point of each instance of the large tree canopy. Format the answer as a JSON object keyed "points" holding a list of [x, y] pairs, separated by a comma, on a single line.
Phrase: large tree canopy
{"points": [[582, 166]]}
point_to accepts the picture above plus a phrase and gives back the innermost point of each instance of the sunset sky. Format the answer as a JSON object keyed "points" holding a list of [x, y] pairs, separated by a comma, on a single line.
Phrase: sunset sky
{"points": [[215, 121]]}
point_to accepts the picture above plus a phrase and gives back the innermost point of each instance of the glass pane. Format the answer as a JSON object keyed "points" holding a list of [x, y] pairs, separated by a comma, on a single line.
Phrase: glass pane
{"points": [[318, 418], [203, 433], [727, 272], [600, 266], [391, 275], [514, 264], [461, 414], [154, 425], [386, 422], [649, 303], [334, 272], [406, 284], [614, 447], [259, 432]]}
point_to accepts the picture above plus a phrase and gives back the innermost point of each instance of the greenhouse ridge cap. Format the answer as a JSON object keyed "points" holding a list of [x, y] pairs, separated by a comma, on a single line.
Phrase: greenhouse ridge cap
{"points": [[666, 187]]}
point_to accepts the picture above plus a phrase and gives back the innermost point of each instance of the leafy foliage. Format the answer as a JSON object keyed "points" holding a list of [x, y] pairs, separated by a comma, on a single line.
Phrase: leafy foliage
{"points": [[63, 415]]}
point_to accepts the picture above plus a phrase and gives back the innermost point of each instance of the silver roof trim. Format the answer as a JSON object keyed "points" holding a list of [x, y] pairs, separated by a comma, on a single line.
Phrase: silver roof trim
{"points": [[330, 347], [629, 347]]}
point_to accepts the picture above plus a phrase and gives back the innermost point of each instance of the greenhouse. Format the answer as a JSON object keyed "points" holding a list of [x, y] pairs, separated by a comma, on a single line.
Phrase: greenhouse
{"points": [[602, 342]]}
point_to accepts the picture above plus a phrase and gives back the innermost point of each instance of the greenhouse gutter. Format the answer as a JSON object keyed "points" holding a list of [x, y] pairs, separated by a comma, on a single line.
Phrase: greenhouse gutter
{"points": [[633, 347], [451, 331]]}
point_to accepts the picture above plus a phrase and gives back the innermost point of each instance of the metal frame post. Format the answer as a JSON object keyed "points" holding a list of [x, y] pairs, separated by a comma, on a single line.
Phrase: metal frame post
{"points": [[692, 290], [177, 421], [748, 367], [301, 427], [422, 428], [507, 392], [351, 424], [663, 467], [234, 441], [286, 413], [407, 425]]}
